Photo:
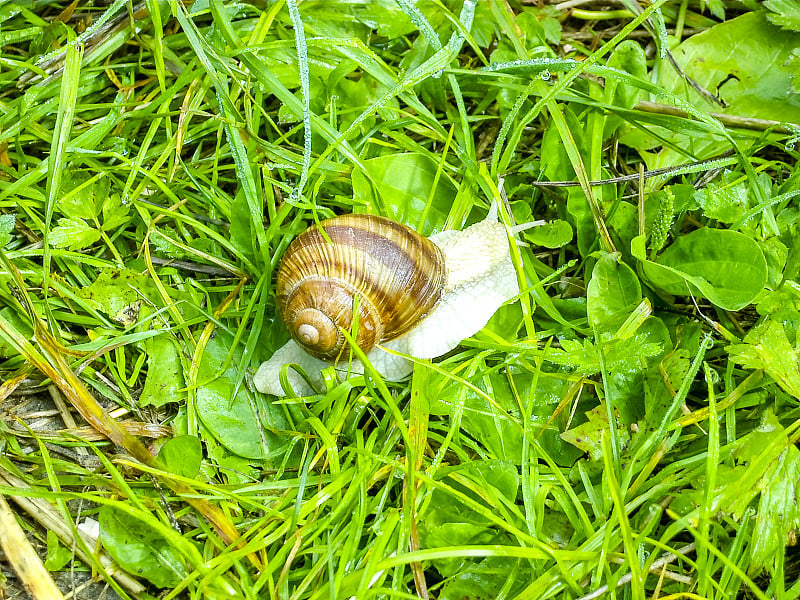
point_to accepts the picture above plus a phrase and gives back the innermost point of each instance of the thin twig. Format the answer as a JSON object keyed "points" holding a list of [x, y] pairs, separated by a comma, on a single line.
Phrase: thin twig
{"points": [[637, 176], [658, 564], [571, 4], [734, 121], [583, 36], [53, 64], [192, 267]]}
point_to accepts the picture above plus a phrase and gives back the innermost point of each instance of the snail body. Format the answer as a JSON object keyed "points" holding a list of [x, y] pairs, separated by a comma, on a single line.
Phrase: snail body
{"points": [[412, 295]]}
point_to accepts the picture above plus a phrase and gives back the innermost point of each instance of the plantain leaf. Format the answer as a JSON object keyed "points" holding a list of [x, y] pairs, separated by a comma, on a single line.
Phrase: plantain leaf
{"points": [[725, 267], [237, 421], [182, 455], [140, 549]]}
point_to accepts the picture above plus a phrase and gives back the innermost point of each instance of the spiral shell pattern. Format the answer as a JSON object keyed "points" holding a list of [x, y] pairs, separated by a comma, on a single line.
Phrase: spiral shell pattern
{"points": [[368, 275]]}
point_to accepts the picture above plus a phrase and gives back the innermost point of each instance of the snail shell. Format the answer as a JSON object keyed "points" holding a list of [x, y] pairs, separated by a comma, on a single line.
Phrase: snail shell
{"points": [[365, 274], [457, 281]]}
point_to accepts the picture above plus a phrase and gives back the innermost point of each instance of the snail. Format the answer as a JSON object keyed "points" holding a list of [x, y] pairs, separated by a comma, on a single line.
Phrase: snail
{"points": [[389, 287]]}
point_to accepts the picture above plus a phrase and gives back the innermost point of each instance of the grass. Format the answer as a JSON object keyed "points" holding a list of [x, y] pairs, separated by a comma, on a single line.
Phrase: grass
{"points": [[625, 428]]}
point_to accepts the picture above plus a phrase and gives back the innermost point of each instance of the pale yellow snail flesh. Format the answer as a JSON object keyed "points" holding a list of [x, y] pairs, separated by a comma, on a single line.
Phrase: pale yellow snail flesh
{"points": [[480, 278]]}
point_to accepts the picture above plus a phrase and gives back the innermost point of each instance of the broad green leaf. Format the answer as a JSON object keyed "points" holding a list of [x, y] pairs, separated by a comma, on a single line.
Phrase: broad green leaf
{"points": [[361, 92], [248, 424], [163, 246], [757, 454], [482, 26], [450, 522], [777, 255], [624, 223], [555, 162], [57, 556], [483, 579], [73, 234], [534, 34], [85, 195], [490, 423], [232, 468], [628, 56], [496, 425], [140, 549], [386, 17], [783, 306], [613, 291], [554, 234], [661, 382], [760, 86], [628, 359], [401, 185], [182, 455], [164, 382], [767, 440], [501, 476], [723, 266]]}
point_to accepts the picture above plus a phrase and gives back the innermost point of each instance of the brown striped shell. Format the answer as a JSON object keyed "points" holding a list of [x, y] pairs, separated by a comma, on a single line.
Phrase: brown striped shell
{"points": [[391, 275]]}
